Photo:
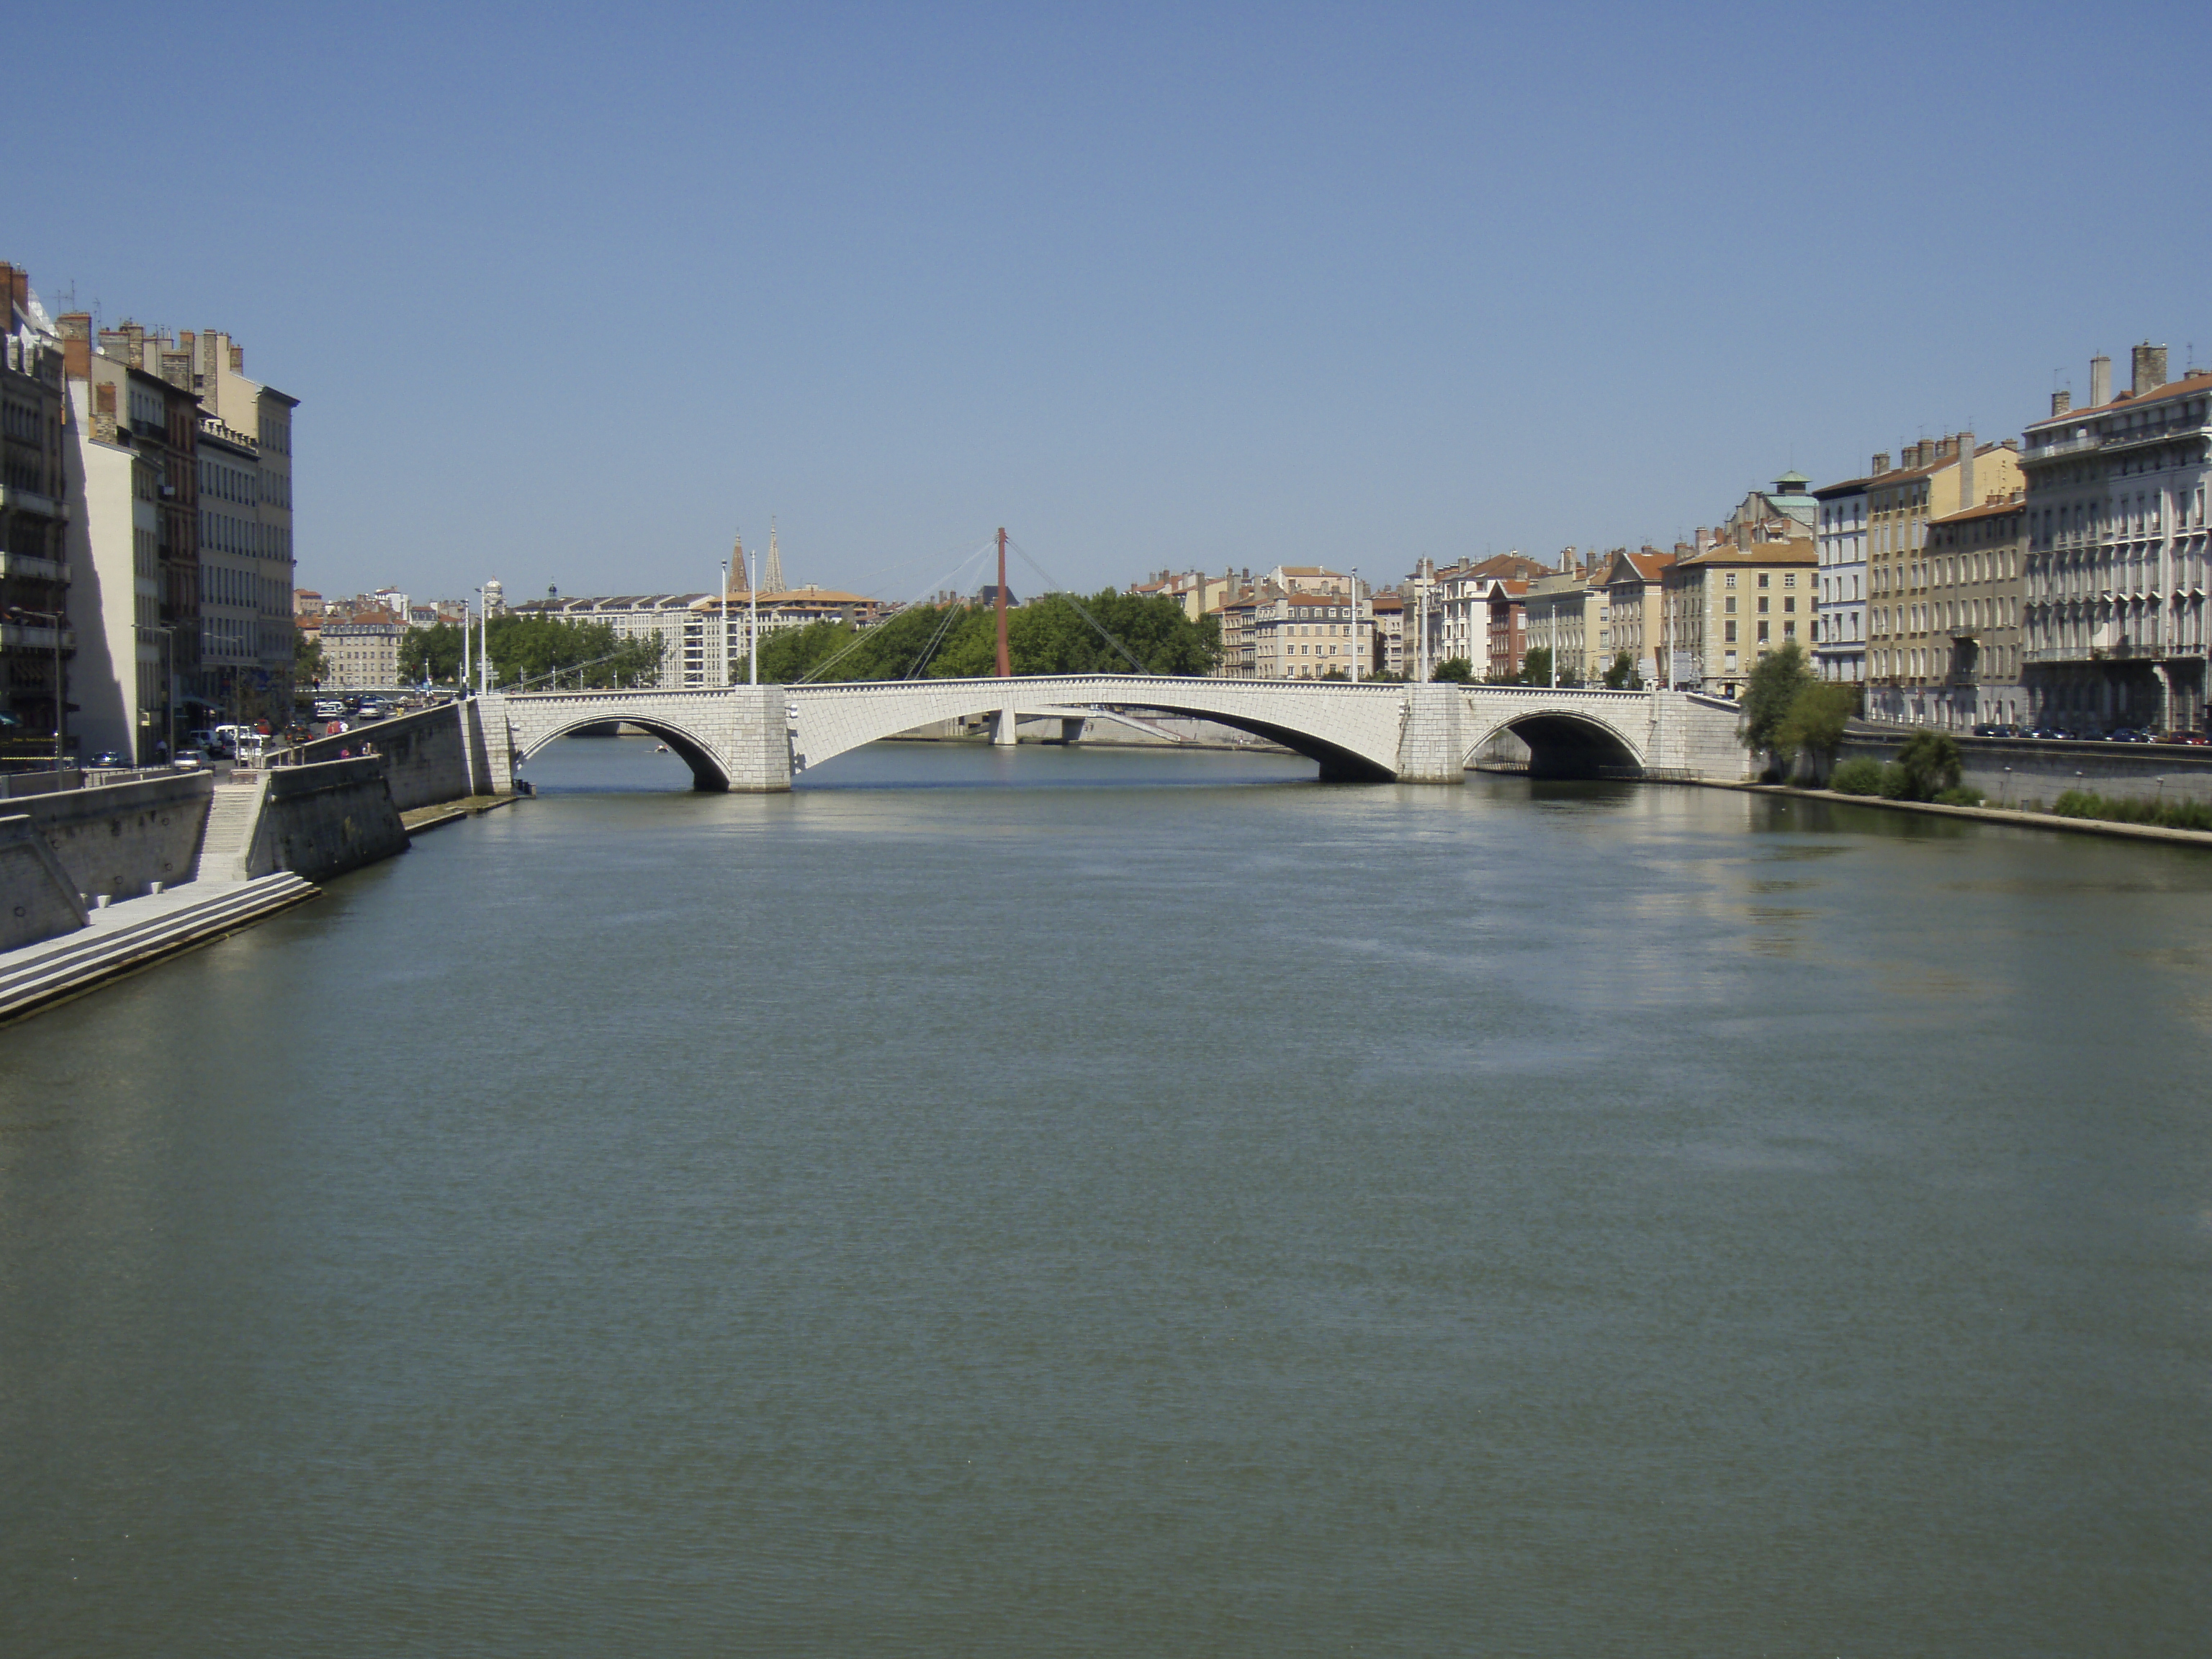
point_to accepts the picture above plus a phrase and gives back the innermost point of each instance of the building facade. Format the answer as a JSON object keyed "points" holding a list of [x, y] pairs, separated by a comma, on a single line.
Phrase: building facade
{"points": [[1563, 619], [1839, 539], [37, 643], [1728, 604], [361, 653], [1977, 594], [1631, 612], [1909, 645], [2116, 556]]}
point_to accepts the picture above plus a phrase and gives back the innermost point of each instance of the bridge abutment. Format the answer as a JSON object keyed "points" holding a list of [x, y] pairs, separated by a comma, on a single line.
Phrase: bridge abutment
{"points": [[1432, 745]]}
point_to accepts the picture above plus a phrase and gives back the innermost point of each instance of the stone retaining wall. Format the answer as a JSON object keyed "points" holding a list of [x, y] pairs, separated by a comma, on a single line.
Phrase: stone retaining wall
{"points": [[320, 821], [2025, 772], [117, 840], [436, 754]]}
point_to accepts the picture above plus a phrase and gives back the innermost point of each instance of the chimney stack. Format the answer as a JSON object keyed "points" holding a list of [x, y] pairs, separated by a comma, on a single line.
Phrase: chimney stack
{"points": [[1966, 496], [2100, 381], [2149, 366], [2061, 403], [1881, 462]]}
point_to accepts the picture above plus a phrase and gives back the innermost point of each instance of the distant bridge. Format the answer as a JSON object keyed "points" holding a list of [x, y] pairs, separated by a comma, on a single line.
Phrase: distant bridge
{"points": [[755, 737]]}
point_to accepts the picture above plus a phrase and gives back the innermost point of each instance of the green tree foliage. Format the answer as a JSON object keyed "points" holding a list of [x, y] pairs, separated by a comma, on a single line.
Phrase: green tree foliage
{"points": [[1047, 635], [2166, 814], [1930, 764], [1813, 724], [309, 665], [1619, 672], [432, 653], [1536, 666], [1456, 670], [1774, 685], [526, 644]]}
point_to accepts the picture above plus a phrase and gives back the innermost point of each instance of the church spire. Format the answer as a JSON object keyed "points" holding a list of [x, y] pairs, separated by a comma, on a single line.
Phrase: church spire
{"points": [[772, 578], [739, 581]]}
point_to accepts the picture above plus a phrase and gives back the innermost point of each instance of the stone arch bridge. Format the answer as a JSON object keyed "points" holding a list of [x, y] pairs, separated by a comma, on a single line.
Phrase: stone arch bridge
{"points": [[755, 737]]}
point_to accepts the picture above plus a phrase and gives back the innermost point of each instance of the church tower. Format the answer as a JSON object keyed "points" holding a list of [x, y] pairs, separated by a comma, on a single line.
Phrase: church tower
{"points": [[772, 578]]}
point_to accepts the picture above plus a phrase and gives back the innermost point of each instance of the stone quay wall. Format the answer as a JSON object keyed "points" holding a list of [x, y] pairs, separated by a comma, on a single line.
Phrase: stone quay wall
{"points": [[436, 754], [2028, 772], [322, 820], [117, 840]]}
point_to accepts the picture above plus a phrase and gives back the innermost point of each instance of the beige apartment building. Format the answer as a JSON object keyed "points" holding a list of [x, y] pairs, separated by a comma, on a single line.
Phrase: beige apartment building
{"points": [[1563, 619], [361, 653], [1909, 642], [1730, 604], [1977, 598], [1631, 611], [1309, 635]]}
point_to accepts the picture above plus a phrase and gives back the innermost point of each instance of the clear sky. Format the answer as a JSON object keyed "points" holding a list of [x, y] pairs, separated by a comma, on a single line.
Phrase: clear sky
{"points": [[570, 294]]}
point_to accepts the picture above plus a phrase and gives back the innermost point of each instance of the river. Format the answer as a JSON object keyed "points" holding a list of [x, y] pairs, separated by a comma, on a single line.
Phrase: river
{"points": [[1120, 1203]]}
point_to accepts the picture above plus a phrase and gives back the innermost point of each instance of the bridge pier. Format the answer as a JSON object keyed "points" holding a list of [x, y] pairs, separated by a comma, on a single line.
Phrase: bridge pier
{"points": [[1432, 745], [758, 761], [1002, 728]]}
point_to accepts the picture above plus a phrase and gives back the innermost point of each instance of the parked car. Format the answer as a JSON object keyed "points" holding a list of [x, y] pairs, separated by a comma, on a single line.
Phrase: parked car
{"points": [[2128, 734], [108, 759], [9, 718], [2194, 739], [187, 762]]}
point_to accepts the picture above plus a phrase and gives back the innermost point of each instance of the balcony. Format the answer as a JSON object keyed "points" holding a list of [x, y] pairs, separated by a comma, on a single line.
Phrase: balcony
{"points": [[33, 636], [2081, 443], [16, 499], [32, 568]]}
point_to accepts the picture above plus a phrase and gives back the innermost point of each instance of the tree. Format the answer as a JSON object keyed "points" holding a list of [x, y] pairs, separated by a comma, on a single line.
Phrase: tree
{"points": [[1814, 722], [1774, 684], [1536, 666], [1621, 671], [1456, 670], [1050, 635], [433, 654], [309, 665], [1930, 764], [528, 645]]}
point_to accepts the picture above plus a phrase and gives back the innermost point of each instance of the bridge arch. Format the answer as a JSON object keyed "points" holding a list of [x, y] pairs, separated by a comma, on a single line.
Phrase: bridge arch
{"points": [[1350, 732], [695, 751], [1563, 743]]}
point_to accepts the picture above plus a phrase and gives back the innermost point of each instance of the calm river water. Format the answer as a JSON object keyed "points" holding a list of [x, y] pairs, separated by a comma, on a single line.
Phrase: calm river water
{"points": [[1123, 1204]]}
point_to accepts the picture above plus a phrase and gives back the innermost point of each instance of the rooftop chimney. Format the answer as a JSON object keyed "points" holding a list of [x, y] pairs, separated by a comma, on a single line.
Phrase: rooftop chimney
{"points": [[1881, 462], [1966, 496], [2150, 369], [2100, 381], [2061, 403]]}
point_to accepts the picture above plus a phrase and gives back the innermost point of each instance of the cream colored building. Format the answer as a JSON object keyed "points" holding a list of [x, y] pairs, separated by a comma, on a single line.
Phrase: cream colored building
{"points": [[1729, 606], [361, 653], [1305, 636], [1909, 647], [1631, 611], [1563, 619]]}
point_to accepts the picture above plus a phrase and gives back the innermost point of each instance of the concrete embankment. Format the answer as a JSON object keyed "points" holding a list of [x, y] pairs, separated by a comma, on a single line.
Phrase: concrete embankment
{"points": [[435, 754], [2024, 819], [2023, 772], [122, 939], [322, 820]]}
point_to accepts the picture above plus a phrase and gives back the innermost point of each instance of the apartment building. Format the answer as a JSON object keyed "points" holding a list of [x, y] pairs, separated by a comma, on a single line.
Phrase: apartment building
{"points": [[1388, 610], [1306, 634], [1562, 611], [1197, 592], [361, 652], [1977, 594], [2117, 561], [1455, 601], [1507, 647], [1839, 539], [1727, 605], [1631, 611], [1908, 646], [37, 643]]}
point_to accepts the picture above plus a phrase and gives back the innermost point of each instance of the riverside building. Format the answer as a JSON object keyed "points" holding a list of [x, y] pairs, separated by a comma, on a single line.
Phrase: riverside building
{"points": [[36, 642], [1839, 539], [1730, 603], [1910, 643], [2116, 563]]}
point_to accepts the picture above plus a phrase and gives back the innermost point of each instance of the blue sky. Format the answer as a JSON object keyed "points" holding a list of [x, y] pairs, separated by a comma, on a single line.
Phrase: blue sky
{"points": [[570, 293]]}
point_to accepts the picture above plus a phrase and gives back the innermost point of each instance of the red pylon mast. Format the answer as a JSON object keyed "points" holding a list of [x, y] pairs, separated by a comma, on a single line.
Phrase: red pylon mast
{"points": [[1005, 663]]}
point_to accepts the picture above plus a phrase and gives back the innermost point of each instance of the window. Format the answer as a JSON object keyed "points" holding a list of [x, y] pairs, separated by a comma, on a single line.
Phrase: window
{"points": [[1763, 635], [1789, 579], [1763, 602], [1730, 580], [1791, 602], [1728, 633], [1763, 579]]}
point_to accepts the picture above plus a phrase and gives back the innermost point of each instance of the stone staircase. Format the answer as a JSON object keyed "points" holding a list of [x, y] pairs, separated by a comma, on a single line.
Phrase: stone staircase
{"points": [[233, 813], [38, 976]]}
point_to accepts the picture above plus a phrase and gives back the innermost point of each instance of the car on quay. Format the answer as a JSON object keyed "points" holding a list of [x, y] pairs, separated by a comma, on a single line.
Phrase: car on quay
{"points": [[2191, 739], [2128, 734]]}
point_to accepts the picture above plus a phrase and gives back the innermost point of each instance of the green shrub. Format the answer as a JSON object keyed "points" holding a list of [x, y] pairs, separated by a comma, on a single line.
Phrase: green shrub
{"points": [[1960, 797], [1930, 760], [2169, 814], [1857, 777], [1895, 783]]}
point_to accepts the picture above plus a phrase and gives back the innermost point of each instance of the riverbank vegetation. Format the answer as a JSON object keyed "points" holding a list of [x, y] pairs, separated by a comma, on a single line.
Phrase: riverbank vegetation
{"points": [[1050, 634], [2165, 814], [1927, 768], [527, 645]]}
